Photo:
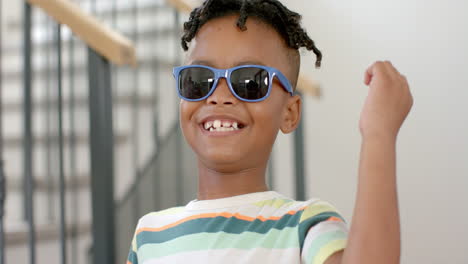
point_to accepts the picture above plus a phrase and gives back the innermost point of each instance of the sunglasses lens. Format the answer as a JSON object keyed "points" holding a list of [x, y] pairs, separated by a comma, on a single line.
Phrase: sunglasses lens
{"points": [[195, 83], [250, 83]]}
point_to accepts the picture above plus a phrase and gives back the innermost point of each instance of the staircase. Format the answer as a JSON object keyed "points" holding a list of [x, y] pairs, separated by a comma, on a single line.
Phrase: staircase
{"points": [[145, 122]]}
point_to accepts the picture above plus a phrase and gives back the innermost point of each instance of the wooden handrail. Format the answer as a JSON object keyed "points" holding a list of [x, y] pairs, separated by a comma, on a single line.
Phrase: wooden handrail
{"points": [[305, 85], [308, 86], [105, 41], [184, 6]]}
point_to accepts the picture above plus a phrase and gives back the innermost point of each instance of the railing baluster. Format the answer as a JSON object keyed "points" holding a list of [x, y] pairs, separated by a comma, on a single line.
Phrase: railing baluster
{"points": [[102, 158], [135, 117], [271, 174], [114, 70], [72, 149], [27, 130], [299, 161], [48, 124], [179, 177], [2, 174], [155, 109], [63, 245]]}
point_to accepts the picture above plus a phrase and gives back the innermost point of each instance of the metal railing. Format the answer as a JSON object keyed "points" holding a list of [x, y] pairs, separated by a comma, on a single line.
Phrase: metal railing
{"points": [[62, 141], [104, 45], [2, 172]]}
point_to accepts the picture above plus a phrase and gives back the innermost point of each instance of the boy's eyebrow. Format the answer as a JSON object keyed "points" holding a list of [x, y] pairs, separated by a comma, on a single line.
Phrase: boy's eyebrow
{"points": [[201, 62], [208, 63], [249, 63]]}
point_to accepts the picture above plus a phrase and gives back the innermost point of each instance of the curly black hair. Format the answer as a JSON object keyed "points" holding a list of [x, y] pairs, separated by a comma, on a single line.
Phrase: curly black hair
{"points": [[272, 12]]}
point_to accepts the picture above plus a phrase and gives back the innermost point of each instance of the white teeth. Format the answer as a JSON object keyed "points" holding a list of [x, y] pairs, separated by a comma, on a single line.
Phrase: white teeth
{"points": [[221, 126], [223, 129]]}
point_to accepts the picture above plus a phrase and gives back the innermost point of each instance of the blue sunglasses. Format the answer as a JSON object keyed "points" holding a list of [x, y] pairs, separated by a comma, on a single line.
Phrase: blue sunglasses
{"points": [[249, 83]]}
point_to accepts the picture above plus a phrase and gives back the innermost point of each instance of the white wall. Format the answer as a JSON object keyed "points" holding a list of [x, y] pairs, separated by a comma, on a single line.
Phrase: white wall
{"points": [[427, 41]]}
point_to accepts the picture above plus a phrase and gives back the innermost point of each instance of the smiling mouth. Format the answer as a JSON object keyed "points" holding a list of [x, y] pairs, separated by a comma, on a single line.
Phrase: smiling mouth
{"points": [[222, 126]]}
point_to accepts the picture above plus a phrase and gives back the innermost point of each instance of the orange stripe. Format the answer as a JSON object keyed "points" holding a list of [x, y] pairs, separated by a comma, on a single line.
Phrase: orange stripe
{"points": [[129, 262], [334, 218], [213, 215]]}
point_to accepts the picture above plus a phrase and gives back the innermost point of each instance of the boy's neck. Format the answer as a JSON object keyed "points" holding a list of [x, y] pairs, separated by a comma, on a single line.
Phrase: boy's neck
{"points": [[214, 185]]}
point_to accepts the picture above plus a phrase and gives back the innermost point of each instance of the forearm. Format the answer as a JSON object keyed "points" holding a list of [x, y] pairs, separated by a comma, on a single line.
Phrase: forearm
{"points": [[375, 231]]}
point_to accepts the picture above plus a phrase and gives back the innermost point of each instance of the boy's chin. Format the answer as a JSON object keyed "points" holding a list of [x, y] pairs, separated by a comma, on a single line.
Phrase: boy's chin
{"points": [[222, 158], [223, 162]]}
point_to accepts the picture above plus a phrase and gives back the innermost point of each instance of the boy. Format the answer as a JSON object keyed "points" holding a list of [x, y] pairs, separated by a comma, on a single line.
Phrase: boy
{"points": [[231, 118]]}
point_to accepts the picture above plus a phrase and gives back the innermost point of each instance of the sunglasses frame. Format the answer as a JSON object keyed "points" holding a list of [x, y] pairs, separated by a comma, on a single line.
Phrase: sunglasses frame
{"points": [[226, 73]]}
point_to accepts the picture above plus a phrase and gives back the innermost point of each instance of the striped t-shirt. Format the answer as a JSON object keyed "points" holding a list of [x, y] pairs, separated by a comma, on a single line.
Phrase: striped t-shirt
{"points": [[263, 227]]}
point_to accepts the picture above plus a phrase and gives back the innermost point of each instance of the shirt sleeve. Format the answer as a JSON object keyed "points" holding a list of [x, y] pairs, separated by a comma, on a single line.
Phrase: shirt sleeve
{"points": [[132, 255], [322, 232]]}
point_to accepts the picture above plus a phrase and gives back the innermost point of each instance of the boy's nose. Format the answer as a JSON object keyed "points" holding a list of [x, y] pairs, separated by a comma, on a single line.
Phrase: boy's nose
{"points": [[222, 94]]}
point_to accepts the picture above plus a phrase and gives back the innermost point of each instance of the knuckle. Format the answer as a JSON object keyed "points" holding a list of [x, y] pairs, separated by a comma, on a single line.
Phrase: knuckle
{"points": [[379, 65], [411, 100], [402, 79]]}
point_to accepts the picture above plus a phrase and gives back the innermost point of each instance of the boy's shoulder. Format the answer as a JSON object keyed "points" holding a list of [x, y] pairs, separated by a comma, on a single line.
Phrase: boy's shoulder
{"points": [[162, 214], [309, 211], [276, 205]]}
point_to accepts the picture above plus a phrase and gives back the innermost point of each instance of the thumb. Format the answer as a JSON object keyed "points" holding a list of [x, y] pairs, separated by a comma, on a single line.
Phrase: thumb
{"points": [[369, 74]]}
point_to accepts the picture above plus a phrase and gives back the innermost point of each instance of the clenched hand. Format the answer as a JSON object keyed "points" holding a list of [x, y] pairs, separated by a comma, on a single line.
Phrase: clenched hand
{"points": [[388, 102]]}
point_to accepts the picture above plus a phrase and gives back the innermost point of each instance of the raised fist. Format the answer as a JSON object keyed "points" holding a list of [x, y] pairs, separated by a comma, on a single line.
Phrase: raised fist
{"points": [[388, 102]]}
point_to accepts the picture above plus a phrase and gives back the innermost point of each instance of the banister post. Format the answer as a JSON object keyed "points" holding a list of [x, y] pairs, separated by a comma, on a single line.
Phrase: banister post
{"points": [[102, 158], [299, 160], [2, 174], [28, 183]]}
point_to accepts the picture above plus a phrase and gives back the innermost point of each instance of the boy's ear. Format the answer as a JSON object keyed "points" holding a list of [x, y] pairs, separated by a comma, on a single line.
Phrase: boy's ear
{"points": [[291, 114]]}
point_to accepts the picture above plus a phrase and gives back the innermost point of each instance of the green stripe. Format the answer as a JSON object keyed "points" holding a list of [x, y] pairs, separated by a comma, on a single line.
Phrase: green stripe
{"points": [[278, 239], [322, 241], [132, 257], [328, 250], [230, 225], [276, 203], [305, 225], [315, 209]]}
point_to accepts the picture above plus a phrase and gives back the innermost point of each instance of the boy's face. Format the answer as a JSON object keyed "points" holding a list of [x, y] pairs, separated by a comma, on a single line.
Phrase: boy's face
{"points": [[220, 44]]}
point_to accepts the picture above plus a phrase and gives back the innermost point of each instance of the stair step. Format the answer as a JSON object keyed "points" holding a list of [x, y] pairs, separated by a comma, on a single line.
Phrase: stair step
{"points": [[105, 10], [42, 185], [17, 140], [149, 6], [80, 68], [19, 234], [78, 207], [41, 45], [81, 101]]}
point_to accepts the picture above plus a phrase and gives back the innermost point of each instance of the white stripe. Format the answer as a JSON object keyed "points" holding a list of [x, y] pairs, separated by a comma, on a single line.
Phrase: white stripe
{"points": [[320, 229], [233, 256]]}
